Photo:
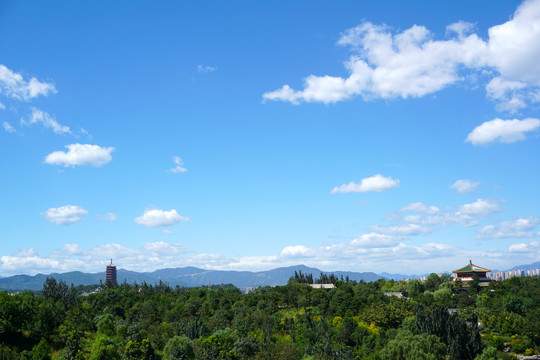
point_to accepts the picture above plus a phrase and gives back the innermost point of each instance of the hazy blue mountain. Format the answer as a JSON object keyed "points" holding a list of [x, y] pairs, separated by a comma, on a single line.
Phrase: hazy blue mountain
{"points": [[535, 265], [187, 276], [397, 276], [192, 276]]}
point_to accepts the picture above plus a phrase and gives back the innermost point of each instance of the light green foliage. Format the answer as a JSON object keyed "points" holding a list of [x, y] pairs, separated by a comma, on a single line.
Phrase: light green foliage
{"points": [[106, 325], [104, 348], [407, 346], [42, 351], [178, 348], [219, 345], [139, 350], [432, 282], [489, 353]]}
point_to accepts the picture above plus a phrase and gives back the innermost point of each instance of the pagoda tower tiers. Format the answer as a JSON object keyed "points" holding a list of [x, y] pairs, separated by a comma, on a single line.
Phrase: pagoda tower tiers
{"points": [[465, 274], [110, 274]]}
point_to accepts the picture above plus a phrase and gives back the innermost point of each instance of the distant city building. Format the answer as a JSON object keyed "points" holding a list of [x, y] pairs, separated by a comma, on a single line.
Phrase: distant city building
{"points": [[499, 276], [465, 274], [535, 272], [110, 274], [514, 273]]}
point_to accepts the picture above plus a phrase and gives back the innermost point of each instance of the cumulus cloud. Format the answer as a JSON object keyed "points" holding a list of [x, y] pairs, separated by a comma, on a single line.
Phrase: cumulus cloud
{"points": [[420, 208], [373, 240], [402, 229], [504, 131], [481, 207], [40, 117], [532, 247], [296, 251], [7, 127], [517, 228], [81, 154], [107, 217], [418, 213], [65, 215], [464, 186], [179, 168], [159, 218], [412, 63], [14, 85], [376, 183]]}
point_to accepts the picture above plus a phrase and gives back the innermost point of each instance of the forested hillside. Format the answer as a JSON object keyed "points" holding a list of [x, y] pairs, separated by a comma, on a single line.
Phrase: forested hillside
{"points": [[352, 321]]}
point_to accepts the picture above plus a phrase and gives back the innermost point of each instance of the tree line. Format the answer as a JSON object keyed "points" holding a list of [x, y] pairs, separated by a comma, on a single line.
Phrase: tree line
{"points": [[354, 320]]}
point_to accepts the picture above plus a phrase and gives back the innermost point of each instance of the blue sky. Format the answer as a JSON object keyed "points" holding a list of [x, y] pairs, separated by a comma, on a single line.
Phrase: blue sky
{"points": [[358, 136]]}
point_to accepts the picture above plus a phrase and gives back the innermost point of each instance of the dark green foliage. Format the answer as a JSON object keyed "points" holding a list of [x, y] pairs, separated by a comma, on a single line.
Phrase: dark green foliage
{"points": [[462, 339], [351, 321], [59, 291], [8, 354]]}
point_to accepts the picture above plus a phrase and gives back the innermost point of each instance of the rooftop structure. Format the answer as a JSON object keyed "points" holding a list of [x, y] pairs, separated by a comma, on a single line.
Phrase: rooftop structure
{"points": [[110, 274], [322, 286], [465, 274]]}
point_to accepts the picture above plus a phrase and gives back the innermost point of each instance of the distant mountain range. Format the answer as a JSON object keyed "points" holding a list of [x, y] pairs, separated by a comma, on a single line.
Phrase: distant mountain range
{"points": [[192, 276], [188, 276]]}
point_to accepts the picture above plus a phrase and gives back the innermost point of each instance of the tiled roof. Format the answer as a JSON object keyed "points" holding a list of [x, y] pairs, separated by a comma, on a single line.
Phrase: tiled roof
{"points": [[471, 268]]}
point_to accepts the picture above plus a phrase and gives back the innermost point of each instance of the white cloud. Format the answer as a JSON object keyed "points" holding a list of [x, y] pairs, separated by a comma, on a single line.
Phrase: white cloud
{"points": [[72, 248], [402, 229], [420, 208], [481, 207], [466, 215], [2, 106], [296, 251], [167, 232], [81, 154], [158, 218], [504, 131], [464, 186], [107, 217], [7, 127], [514, 48], [206, 69], [13, 85], [408, 64], [376, 183], [532, 247], [517, 228], [373, 240], [41, 117], [412, 63], [511, 95], [179, 168], [65, 215]]}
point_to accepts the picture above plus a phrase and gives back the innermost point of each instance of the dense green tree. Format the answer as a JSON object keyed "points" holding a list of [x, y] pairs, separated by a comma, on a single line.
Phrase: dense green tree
{"points": [[104, 348], [59, 291], [42, 351], [407, 346], [178, 348], [139, 350]]}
